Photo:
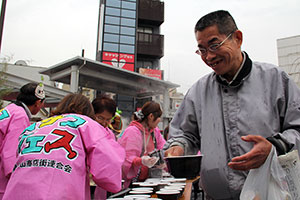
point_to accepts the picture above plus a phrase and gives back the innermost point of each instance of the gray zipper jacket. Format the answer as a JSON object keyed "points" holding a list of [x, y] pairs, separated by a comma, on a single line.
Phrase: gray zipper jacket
{"points": [[213, 116]]}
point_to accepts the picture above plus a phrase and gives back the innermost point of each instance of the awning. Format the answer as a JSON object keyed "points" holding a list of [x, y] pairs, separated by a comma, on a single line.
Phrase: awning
{"points": [[100, 76], [53, 95]]}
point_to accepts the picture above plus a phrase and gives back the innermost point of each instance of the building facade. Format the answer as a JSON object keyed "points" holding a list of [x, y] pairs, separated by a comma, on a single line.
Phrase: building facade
{"points": [[129, 38], [289, 56]]}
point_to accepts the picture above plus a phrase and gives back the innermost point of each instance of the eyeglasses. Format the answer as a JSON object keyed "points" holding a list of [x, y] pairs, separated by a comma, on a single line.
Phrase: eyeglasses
{"points": [[212, 47], [99, 117]]}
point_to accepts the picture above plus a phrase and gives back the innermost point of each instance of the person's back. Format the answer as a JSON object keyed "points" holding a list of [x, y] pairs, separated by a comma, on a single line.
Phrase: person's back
{"points": [[10, 115], [14, 118]]}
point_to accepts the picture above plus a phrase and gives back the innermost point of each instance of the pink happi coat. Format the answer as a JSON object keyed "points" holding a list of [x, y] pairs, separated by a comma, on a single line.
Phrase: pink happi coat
{"points": [[13, 120], [132, 141], [101, 194], [56, 155]]}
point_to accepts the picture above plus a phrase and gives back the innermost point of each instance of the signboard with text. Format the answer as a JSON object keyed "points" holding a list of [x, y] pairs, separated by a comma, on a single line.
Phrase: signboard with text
{"points": [[151, 73], [120, 60]]}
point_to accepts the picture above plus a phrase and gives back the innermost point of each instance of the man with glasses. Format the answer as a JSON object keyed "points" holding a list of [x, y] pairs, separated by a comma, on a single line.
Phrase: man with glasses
{"points": [[236, 113]]}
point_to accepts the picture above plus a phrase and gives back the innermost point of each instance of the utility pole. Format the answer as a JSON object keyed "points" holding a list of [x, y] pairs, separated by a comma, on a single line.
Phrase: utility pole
{"points": [[3, 7]]}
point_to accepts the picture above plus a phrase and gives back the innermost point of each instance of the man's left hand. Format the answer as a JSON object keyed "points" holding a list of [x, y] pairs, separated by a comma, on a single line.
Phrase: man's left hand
{"points": [[254, 158]]}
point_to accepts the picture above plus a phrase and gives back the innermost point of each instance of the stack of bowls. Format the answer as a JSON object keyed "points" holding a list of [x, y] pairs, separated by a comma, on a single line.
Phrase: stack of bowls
{"points": [[133, 192], [150, 184], [162, 185], [178, 184], [180, 180], [137, 197], [168, 194], [142, 190], [136, 184], [173, 188], [166, 174], [177, 188]]}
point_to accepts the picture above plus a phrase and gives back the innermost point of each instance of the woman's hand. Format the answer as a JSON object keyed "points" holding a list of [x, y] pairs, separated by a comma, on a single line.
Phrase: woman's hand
{"points": [[149, 161]]}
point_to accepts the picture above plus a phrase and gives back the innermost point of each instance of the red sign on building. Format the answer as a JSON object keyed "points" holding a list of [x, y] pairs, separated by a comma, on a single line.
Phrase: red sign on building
{"points": [[151, 72], [124, 61], [126, 58]]}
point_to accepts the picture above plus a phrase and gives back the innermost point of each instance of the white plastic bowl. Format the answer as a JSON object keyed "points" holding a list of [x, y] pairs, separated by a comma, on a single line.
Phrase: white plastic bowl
{"points": [[145, 196], [141, 192], [142, 188]]}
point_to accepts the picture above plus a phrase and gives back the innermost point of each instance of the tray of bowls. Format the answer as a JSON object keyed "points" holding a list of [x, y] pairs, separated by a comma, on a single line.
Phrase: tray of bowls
{"points": [[159, 188]]}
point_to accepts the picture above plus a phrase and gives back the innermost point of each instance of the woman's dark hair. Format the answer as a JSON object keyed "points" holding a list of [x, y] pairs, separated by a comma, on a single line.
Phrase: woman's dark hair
{"points": [[75, 103], [27, 94], [104, 102], [221, 18], [148, 108]]}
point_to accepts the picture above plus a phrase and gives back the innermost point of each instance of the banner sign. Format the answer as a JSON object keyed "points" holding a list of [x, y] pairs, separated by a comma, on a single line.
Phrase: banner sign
{"points": [[151, 73], [124, 61]]}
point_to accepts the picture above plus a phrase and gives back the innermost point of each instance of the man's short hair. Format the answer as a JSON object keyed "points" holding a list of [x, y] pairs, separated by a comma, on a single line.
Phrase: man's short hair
{"points": [[221, 18]]}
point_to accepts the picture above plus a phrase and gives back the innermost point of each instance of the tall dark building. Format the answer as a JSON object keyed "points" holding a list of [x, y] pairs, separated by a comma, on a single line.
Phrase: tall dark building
{"points": [[129, 38]]}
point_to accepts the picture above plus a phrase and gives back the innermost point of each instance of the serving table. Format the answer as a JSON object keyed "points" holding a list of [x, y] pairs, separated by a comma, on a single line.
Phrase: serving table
{"points": [[186, 195], [187, 189]]}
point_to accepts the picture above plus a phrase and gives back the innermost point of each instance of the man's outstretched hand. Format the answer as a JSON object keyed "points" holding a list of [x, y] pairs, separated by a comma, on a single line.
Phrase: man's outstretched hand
{"points": [[174, 151], [254, 158]]}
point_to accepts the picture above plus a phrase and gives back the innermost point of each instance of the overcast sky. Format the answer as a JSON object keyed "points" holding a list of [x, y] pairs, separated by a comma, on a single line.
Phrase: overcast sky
{"points": [[46, 32]]}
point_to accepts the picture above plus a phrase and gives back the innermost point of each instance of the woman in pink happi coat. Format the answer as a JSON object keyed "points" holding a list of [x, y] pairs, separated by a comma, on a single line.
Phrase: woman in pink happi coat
{"points": [[56, 155], [105, 108], [14, 118], [139, 139]]}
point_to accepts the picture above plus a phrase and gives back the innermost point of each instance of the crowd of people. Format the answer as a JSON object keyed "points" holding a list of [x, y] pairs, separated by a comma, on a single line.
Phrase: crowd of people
{"points": [[233, 116], [58, 157]]}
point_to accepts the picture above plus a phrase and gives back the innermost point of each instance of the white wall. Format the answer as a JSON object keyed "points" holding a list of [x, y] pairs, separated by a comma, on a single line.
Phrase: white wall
{"points": [[289, 56]]}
